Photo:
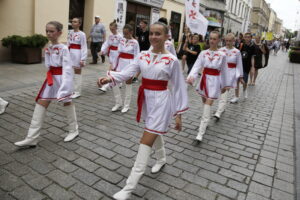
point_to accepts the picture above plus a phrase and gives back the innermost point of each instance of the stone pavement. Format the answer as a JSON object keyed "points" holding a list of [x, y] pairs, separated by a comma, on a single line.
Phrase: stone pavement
{"points": [[247, 155]]}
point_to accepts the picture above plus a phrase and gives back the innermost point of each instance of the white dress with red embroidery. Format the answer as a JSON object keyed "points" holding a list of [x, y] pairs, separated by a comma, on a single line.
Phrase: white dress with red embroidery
{"points": [[130, 47], [234, 69], [158, 107], [110, 48], [58, 56], [78, 47], [169, 47], [212, 84]]}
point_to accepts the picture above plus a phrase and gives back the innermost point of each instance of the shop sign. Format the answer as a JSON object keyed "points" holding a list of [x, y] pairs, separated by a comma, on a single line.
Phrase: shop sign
{"points": [[120, 14], [152, 3], [155, 15]]}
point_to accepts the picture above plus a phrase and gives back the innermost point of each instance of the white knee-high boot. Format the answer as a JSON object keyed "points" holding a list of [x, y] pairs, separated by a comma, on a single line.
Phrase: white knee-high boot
{"points": [[35, 127], [3, 105], [128, 93], [160, 154], [204, 122], [222, 104], [72, 121], [118, 98], [137, 171], [77, 85]]}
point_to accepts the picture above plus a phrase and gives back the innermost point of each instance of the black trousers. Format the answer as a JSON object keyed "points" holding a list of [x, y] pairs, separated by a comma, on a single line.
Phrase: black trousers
{"points": [[95, 49]]}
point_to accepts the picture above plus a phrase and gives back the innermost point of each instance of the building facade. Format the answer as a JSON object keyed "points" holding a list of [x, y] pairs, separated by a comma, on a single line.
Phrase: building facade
{"points": [[272, 20], [214, 11], [28, 17], [237, 17], [260, 15]]}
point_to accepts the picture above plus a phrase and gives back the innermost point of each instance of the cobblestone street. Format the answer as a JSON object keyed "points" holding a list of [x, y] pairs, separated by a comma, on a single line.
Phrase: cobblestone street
{"points": [[249, 154]]}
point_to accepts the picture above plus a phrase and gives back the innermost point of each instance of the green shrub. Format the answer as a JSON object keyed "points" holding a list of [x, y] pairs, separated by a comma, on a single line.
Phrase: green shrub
{"points": [[36, 40]]}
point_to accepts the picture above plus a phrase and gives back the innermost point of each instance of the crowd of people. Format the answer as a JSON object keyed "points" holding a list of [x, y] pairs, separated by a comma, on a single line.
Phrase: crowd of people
{"points": [[162, 94]]}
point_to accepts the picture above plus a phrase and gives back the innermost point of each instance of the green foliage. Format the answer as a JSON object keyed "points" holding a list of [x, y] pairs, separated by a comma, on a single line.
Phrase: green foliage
{"points": [[36, 40]]}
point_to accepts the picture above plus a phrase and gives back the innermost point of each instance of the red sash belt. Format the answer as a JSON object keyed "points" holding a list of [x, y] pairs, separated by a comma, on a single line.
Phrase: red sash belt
{"points": [[114, 48], [207, 71], [124, 56], [53, 71], [74, 46], [148, 84], [231, 65]]}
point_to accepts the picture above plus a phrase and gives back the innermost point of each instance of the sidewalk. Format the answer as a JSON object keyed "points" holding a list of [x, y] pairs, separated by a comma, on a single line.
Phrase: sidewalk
{"points": [[247, 155]]}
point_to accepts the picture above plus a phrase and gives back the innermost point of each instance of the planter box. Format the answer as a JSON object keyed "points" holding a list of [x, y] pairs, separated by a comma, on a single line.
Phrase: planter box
{"points": [[26, 55], [295, 56]]}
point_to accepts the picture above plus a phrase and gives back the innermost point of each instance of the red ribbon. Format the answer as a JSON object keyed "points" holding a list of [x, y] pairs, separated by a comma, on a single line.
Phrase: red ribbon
{"points": [[125, 56], [148, 84], [114, 48], [231, 65], [207, 71], [74, 46], [53, 71]]}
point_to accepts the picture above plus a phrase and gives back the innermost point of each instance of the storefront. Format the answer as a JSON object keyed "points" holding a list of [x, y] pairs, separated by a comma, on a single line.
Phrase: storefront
{"points": [[133, 11]]}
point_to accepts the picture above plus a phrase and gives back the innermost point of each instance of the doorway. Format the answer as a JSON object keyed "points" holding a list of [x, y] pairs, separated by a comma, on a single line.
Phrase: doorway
{"points": [[135, 13], [175, 25], [76, 9]]}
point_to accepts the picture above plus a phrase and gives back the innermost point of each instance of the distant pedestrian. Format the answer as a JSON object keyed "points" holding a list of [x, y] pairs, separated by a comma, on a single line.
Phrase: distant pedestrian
{"points": [[78, 50], [181, 54], [98, 37], [57, 86]]}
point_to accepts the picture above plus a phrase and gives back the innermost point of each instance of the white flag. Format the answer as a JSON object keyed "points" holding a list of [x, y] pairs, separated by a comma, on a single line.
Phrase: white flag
{"points": [[196, 22]]}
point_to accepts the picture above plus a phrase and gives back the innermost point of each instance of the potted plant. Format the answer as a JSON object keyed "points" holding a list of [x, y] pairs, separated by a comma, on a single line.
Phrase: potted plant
{"points": [[294, 53], [26, 50]]}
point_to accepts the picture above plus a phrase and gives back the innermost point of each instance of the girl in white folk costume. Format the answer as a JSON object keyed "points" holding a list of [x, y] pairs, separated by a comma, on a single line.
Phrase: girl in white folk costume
{"points": [[128, 49], [78, 51], [232, 73], [110, 48], [57, 86], [156, 103], [211, 64]]}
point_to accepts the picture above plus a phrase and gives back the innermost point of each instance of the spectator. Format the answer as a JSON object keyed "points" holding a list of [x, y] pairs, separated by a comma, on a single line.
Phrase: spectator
{"points": [[98, 36], [192, 51]]}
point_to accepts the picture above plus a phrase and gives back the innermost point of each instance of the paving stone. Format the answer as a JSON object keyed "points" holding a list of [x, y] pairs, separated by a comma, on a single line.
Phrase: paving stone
{"points": [[265, 169], [220, 189], [86, 164], [284, 186], [64, 165], [41, 166], [179, 194], [172, 181], [25, 193], [36, 181], [284, 176], [9, 182], [57, 193], [200, 192], [87, 153], [241, 170], [153, 195], [85, 177], [107, 188], [17, 168], [280, 195], [260, 189], [86, 192], [109, 176], [232, 175], [104, 152], [61, 178], [154, 184], [194, 179], [212, 176], [186, 166], [107, 163]]}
